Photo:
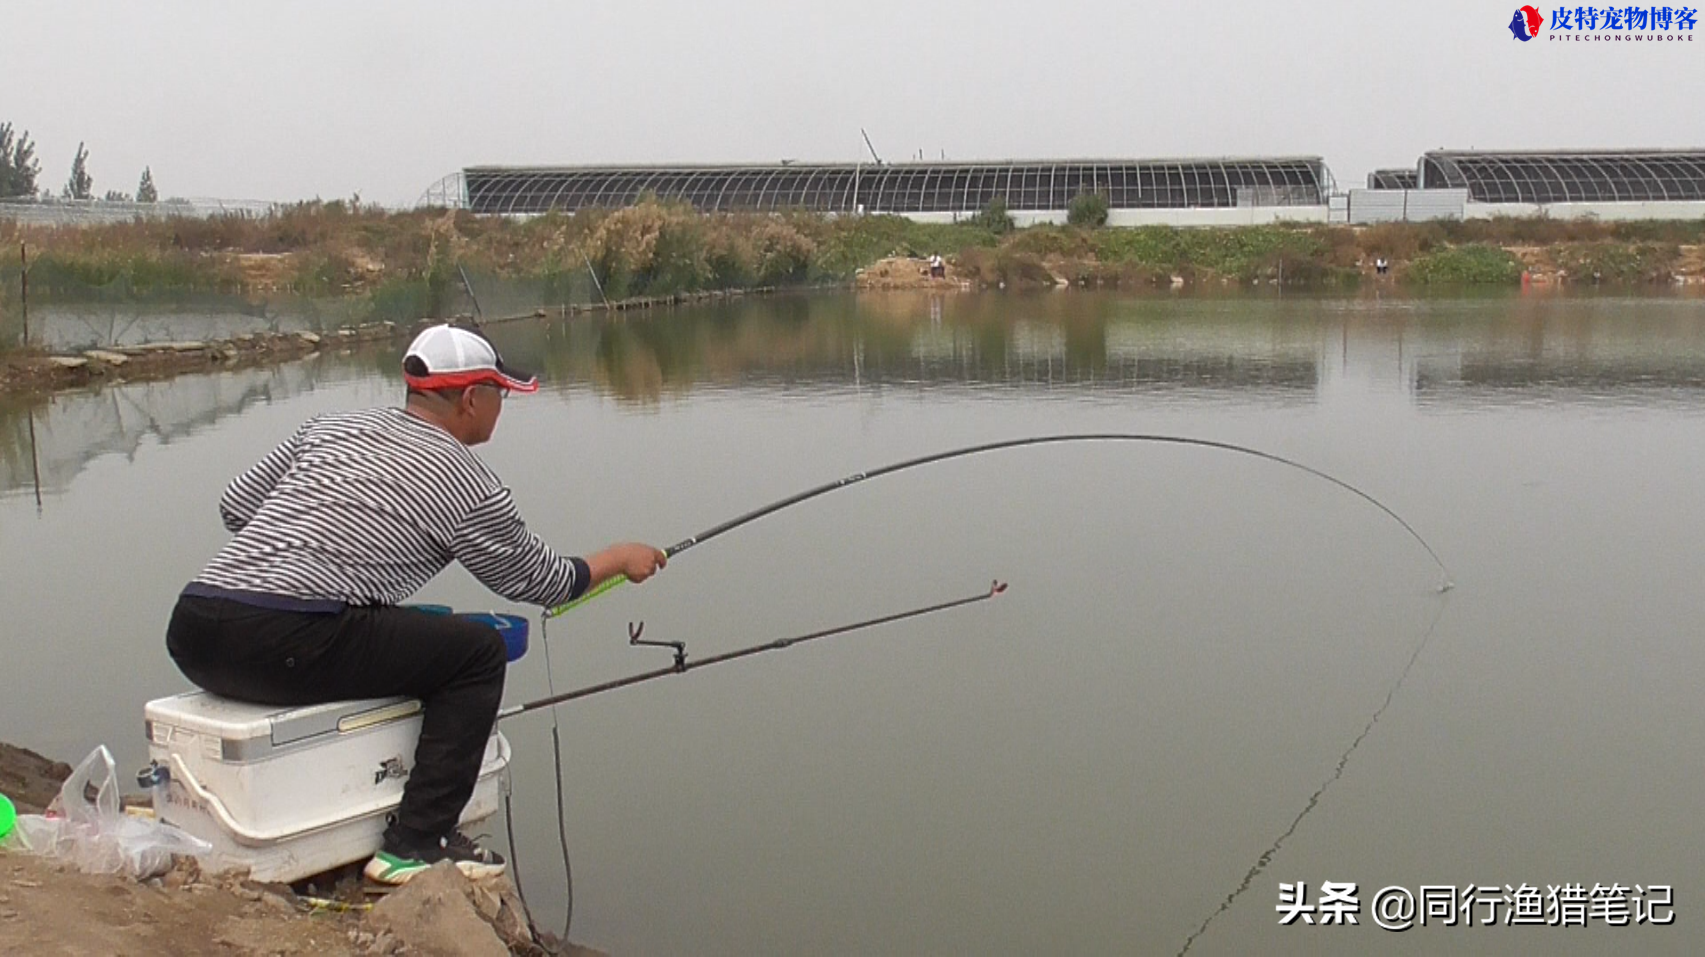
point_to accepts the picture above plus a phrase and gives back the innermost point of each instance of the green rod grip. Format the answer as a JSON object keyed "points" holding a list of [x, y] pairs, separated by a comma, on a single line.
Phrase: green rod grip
{"points": [[569, 606]]}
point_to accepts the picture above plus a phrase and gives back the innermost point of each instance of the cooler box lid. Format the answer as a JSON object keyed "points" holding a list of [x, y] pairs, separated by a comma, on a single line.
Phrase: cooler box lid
{"points": [[249, 730]]}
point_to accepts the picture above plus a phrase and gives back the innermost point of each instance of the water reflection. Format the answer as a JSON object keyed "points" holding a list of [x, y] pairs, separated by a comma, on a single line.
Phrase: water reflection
{"points": [[69, 315], [1477, 381], [1438, 354], [53, 443], [1194, 655], [1056, 341]]}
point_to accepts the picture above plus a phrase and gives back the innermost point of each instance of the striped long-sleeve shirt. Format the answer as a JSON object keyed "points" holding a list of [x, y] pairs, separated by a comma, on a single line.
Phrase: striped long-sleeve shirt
{"points": [[365, 507]]}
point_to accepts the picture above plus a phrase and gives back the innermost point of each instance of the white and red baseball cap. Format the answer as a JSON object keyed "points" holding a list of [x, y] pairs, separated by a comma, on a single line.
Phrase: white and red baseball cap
{"points": [[448, 357]]}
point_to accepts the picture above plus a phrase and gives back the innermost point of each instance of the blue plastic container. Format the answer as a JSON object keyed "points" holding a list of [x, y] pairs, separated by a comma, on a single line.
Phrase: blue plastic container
{"points": [[513, 628]]}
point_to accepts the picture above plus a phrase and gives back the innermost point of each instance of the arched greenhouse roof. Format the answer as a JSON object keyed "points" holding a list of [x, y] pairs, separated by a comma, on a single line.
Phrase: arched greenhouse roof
{"points": [[907, 187], [1392, 179], [1568, 177]]}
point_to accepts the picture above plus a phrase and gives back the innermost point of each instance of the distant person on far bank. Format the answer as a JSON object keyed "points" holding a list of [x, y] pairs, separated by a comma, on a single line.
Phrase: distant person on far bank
{"points": [[352, 515]]}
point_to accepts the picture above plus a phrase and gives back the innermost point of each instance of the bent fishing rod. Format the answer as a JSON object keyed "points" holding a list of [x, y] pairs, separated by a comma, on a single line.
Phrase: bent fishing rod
{"points": [[858, 477], [682, 665]]}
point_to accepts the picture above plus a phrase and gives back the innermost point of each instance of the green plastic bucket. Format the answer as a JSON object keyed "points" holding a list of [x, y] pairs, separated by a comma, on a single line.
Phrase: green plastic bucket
{"points": [[8, 815]]}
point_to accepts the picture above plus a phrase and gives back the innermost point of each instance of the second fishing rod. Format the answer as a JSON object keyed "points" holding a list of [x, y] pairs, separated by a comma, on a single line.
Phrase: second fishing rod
{"points": [[858, 477], [682, 664]]}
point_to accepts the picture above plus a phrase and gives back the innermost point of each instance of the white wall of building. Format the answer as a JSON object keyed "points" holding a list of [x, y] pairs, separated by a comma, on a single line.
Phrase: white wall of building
{"points": [[1366, 206], [1221, 216], [1604, 211]]}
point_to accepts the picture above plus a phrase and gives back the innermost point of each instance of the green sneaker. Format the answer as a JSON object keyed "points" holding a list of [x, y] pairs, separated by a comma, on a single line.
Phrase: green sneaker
{"points": [[396, 865]]}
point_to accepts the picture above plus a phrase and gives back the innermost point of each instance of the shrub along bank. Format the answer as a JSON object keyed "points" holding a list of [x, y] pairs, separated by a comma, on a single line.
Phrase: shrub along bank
{"points": [[660, 249]]}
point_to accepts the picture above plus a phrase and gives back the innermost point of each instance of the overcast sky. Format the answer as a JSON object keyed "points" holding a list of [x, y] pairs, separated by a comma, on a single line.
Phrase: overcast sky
{"points": [[246, 99]]}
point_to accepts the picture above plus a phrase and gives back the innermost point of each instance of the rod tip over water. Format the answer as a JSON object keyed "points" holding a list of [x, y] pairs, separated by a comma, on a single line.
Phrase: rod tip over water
{"points": [[996, 587]]}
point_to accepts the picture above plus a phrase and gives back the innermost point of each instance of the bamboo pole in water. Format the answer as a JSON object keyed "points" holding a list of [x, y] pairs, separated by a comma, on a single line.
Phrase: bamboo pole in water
{"points": [[35, 462], [595, 282], [24, 285]]}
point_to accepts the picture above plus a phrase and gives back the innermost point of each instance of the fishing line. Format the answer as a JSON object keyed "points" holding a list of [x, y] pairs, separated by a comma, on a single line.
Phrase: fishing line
{"points": [[514, 860], [681, 665], [1267, 855], [515, 866], [561, 818], [855, 478]]}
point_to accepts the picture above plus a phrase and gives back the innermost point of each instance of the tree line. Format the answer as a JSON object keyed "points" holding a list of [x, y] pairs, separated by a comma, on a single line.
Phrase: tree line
{"points": [[19, 170]]}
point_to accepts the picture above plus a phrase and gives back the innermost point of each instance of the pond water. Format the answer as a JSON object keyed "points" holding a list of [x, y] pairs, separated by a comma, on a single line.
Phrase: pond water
{"points": [[1193, 644]]}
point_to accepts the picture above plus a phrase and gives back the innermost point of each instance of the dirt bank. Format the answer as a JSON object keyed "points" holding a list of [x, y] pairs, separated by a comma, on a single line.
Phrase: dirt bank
{"points": [[29, 779], [32, 371], [1681, 265], [48, 908], [908, 272], [45, 908], [1146, 259]]}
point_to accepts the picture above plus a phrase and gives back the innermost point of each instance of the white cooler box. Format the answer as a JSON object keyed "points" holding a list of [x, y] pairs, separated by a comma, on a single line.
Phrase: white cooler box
{"points": [[287, 793]]}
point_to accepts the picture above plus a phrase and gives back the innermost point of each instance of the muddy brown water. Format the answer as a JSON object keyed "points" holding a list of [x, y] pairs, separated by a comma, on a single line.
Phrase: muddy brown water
{"points": [[1094, 762]]}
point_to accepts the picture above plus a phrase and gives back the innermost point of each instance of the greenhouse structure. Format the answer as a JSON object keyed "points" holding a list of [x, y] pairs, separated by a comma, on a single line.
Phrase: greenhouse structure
{"points": [[1623, 176], [1562, 184], [1393, 179], [1227, 191]]}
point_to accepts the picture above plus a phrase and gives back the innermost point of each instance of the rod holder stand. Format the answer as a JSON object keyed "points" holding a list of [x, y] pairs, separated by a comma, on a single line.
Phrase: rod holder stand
{"points": [[635, 629]]}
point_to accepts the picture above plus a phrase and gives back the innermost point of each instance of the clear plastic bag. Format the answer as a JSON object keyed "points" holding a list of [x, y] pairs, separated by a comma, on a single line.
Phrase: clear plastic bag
{"points": [[97, 837]]}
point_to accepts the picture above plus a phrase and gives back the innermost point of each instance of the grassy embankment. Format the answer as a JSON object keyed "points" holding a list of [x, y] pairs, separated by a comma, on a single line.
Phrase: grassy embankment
{"points": [[656, 249]]}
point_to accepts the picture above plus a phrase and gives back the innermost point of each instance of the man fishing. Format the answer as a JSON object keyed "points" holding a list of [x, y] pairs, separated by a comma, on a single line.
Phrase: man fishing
{"points": [[352, 515]]}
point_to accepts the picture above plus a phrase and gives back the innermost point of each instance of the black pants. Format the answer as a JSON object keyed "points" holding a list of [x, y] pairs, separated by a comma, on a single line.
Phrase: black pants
{"points": [[454, 666]]}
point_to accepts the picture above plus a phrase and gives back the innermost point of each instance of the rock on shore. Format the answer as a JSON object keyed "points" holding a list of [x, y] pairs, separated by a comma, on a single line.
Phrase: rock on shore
{"points": [[29, 779], [46, 907]]}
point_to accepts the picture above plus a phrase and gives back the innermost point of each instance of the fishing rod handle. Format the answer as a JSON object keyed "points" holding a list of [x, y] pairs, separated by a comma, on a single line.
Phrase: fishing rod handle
{"points": [[602, 587], [611, 582]]}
